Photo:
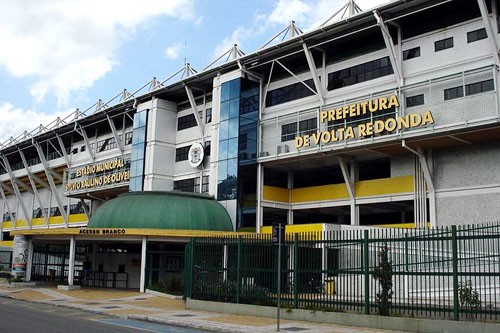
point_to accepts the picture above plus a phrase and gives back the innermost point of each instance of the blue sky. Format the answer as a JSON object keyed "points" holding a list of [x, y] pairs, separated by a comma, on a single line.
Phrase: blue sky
{"points": [[59, 55]]}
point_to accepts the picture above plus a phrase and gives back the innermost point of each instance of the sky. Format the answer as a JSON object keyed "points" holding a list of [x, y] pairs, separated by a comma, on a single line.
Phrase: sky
{"points": [[60, 55]]}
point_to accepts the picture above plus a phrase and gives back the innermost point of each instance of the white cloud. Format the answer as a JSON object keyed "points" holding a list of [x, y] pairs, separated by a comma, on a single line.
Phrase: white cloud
{"points": [[289, 10], [236, 37], [307, 14], [16, 120], [65, 46], [172, 52]]}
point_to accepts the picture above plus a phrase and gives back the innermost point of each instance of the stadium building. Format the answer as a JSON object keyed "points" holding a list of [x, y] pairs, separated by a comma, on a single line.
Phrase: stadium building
{"points": [[382, 118]]}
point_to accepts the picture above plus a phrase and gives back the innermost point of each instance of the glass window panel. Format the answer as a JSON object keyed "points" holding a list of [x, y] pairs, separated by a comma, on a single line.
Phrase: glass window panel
{"points": [[223, 130], [224, 92], [223, 149], [233, 128], [235, 88], [232, 167], [234, 108], [222, 170], [134, 153], [224, 110], [232, 150]]}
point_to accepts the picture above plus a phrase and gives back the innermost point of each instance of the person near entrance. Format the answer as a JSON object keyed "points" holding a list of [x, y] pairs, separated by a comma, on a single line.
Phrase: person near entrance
{"points": [[87, 268]]}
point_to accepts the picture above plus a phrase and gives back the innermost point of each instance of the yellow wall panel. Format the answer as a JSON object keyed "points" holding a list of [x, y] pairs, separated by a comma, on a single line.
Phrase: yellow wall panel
{"points": [[384, 186], [56, 220], [8, 225], [38, 221], [7, 243], [273, 193], [76, 218], [21, 223], [320, 193]]}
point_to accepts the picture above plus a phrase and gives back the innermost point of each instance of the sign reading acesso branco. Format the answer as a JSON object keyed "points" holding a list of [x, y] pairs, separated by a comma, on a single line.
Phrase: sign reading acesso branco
{"points": [[363, 129], [96, 175]]}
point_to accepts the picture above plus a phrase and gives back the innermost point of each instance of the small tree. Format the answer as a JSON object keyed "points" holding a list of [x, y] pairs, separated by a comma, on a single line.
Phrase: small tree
{"points": [[469, 299], [383, 274]]}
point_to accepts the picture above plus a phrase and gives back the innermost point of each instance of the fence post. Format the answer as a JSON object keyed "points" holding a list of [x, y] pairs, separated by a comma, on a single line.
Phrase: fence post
{"points": [[188, 269], [296, 271], [454, 252], [366, 270], [238, 271]]}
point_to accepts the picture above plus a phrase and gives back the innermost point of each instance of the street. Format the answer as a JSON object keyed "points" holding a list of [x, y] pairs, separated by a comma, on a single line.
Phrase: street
{"points": [[20, 316]]}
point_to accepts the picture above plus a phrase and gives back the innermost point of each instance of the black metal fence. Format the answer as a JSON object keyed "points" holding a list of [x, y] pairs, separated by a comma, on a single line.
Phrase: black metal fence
{"points": [[445, 273]]}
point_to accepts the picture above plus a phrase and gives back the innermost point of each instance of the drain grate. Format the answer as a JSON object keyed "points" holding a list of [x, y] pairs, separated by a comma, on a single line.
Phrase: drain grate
{"points": [[184, 315]]}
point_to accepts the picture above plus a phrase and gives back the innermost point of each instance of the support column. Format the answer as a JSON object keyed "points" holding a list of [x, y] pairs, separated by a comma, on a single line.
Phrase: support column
{"points": [[143, 264], [226, 257], [72, 251], [290, 187], [260, 189], [29, 260]]}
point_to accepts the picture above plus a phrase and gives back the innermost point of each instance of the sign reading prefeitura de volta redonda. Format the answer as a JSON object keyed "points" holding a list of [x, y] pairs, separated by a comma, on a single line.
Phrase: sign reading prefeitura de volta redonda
{"points": [[366, 127], [99, 174]]}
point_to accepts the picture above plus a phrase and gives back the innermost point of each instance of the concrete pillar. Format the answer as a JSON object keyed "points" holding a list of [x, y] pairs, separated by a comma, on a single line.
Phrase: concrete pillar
{"points": [[29, 260], [72, 251], [143, 264], [20, 252]]}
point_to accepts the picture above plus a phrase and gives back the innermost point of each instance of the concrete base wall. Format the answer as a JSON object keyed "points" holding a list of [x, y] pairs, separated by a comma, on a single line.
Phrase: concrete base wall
{"points": [[348, 319]]}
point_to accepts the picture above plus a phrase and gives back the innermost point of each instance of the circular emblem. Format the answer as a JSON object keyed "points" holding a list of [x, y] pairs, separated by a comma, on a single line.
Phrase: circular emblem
{"points": [[196, 154]]}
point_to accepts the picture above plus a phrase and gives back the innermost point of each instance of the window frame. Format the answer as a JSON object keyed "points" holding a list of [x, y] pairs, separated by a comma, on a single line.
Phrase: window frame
{"points": [[443, 44]]}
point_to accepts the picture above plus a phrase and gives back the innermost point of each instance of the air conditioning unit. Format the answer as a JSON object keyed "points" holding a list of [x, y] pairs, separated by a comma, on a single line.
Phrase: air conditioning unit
{"points": [[282, 149], [263, 154]]}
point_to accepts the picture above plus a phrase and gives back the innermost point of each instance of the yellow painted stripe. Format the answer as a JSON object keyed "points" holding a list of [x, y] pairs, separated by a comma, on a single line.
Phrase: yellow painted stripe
{"points": [[296, 228], [8, 225], [273, 193], [384, 186], [56, 220], [38, 221], [7, 243], [132, 232], [320, 193], [21, 223], [74, 218], [308, 231]]}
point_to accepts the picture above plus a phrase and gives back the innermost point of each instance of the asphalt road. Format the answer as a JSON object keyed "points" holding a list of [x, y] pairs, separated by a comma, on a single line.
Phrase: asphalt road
{"points": [[19, 316]]}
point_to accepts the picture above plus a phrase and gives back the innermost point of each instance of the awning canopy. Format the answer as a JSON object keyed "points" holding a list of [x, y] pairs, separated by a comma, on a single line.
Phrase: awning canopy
{"points": [[162, 210]]}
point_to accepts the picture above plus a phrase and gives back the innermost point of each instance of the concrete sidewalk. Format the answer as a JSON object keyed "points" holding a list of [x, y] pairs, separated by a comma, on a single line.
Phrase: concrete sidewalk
{"points": [[152, 308]]}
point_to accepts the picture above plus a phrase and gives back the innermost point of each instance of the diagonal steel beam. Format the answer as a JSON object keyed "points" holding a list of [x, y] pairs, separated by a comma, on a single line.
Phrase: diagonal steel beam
{"points": [[115, 133], [63, 150], [395, 60], [314, 74], [17, 193], [296, 77], [33, 186], [192, 101], [347, 177], [52, 184], [4, 197], [80, 130], [489, 31]]}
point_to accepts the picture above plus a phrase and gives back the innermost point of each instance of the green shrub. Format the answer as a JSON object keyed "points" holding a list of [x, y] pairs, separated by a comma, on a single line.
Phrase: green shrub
{"points": [[383, 273], [469, 299]]}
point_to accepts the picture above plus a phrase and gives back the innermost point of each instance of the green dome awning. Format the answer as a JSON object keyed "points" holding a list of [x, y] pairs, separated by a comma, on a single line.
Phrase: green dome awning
{"points": [[162, 210]]}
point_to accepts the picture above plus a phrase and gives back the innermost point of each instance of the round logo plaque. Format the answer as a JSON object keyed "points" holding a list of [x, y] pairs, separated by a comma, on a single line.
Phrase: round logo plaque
{"points": [[196, 154]]}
